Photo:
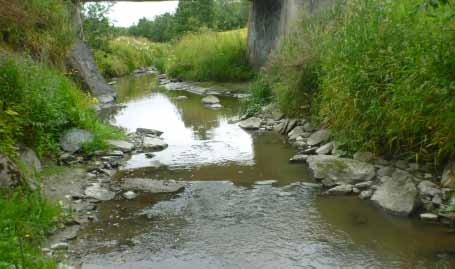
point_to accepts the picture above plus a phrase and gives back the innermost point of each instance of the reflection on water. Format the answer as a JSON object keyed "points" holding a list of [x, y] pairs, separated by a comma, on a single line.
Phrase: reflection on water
{"points": [[225, 220]]}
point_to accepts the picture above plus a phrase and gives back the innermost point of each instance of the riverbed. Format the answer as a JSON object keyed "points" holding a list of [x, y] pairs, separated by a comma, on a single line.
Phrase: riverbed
{"points": [[245, 206]]}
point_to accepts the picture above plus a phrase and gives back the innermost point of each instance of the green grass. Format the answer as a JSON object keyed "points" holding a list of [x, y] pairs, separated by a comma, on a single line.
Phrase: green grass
{"points": [[37, 104], [43, 28], [125, 54], [210, 56], [378, 73], [25, 220]]}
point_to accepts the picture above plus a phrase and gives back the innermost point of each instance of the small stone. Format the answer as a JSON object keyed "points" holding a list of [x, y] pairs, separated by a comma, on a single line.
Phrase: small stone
{"points": [[124, 146], [216, 106], [319, 137], [437, 200], [97, 192], [265, 182], [325, 149], [429, 217], [130, 195], [60, 246], [428, 188], [366, 194], [364, 156], [364, 185], [251, 123], [308, 127], [153, 143], [300, 158], [147, 131], [356, 190], [210, 100], [402, 164], [182, 97], [385, 171], [340, 190], [296, 132]]}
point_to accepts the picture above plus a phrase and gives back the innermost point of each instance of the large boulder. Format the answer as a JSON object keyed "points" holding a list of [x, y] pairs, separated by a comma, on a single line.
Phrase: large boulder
{"points": [[251, 123], [73, 139], [397, 194], [340, 170], [319, 137], [152, 186], [10, 176]]}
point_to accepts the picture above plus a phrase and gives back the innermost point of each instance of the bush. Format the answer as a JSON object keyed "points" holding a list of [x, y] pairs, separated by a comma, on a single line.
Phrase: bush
{"points": [[25, 220], [125, 54], [42, 27], [211, 56], [378, 73], [37, 104]]}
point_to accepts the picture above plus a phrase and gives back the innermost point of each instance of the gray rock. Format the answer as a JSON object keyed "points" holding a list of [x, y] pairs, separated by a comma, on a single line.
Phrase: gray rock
{"points": [[328, 183], [319, 137], [129, 195], [397, 194], [146, 131], [216, 106], [340, 170], [152, 185], [251, 123], [429, 217], [115, 153], [67, 234], [356, 190], [153, 144], [279, 127], [296, 132], [437, 200], [73, 139], [364, 195], [385, 171], [277, 115], [97, 192], [60, 246], [340, 190], [210, 100], [292, 123], [402, 164], [325, 149], [364, 185], [364, 156], [181, 98], [30, 159], [10, 176], [122, 145], [448, 175], [308, 127], [300, 158], [428, 188]]}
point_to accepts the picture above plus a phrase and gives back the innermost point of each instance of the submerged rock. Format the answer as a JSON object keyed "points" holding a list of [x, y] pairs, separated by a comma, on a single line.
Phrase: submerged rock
{"points": [[251, 123], [319, 137], [340, 170], [397, 194], [73, 139], [152, 185], [210, 100]]}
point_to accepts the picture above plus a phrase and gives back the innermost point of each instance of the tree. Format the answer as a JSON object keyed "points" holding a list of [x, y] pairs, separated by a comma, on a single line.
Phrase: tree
{"points": [[97, 26]]}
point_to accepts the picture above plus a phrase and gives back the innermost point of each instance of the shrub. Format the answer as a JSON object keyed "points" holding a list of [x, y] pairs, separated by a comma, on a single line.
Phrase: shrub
{"points": [[26, 219], [125, 54], [211, 56], [37, 104]]}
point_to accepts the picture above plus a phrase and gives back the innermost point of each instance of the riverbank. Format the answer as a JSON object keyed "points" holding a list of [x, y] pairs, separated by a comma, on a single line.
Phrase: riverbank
{"points": [[399, 187]]}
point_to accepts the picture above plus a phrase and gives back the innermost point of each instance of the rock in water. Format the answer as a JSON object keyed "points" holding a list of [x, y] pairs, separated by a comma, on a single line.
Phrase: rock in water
{"points": [[152, 185], [340, 170], [397, 194], [210, 100], [73, 139], [153, 143], [145, 131], [319, 137], [99, 193], [251, 123], [124, 146], [340, 190]]}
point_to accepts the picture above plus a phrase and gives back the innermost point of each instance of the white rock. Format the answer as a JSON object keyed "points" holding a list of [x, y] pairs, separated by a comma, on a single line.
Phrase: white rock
{"points": [[340, 190], [210, 100], [153, 143], [366, 194], [130, 195], [325, 149], [429, 216], [97, 192]]}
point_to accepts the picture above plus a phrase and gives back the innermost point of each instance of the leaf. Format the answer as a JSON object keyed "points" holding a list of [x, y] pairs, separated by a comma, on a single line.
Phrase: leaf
{"points": [[11, 113]]}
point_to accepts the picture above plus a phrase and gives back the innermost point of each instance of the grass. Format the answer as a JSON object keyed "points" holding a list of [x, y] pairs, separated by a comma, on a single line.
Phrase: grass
{"points": [[125, 54], [43, 28], [378, 73], [25, 220], [210, 56], [37, 104]]}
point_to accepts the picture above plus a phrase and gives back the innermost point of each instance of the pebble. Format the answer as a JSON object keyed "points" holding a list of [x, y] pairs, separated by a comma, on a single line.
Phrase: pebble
{"points": [[428, 216]]}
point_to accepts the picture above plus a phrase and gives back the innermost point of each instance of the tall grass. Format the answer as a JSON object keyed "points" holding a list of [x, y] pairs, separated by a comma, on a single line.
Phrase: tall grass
{"points": [[44, 28], [37, 104], [25, 220], [125, 54], [379, 73], [210, 56]]}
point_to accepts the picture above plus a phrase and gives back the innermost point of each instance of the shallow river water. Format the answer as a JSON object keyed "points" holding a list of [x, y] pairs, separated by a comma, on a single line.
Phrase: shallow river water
{"points": [[245, 207]]}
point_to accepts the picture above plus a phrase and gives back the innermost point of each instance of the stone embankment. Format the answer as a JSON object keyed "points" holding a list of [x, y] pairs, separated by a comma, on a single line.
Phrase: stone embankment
{"points": [[400, 187]]}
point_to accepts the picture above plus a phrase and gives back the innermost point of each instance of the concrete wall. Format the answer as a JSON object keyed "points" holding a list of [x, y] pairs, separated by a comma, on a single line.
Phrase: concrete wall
{"points": [[271, 19]]}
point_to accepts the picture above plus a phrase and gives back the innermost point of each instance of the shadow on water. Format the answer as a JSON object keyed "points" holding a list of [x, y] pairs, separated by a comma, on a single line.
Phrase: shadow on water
{"points": [[224, 218]]}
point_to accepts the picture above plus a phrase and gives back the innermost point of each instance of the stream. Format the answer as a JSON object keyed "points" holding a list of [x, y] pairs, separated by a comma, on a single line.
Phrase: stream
{"points": [[246, 206]]}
